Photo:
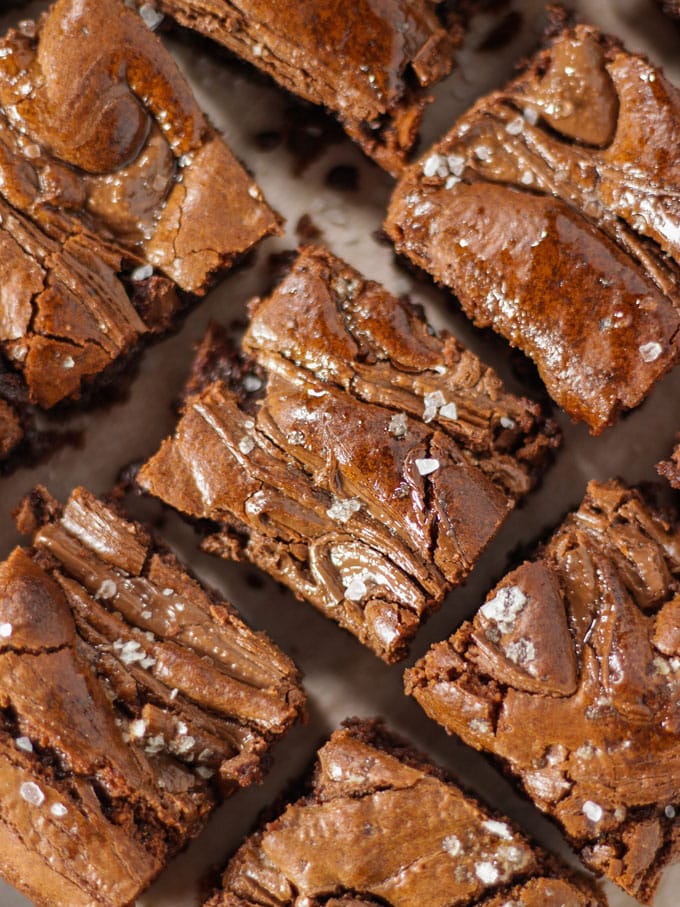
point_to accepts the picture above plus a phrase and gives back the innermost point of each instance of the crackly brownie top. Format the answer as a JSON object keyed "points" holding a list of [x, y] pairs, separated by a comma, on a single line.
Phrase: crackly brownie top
{"points": [[11, 431], [381, 825], [551, 210], [130, 701], [570, 672], [365, 60], [372, 461], [109, 172]]}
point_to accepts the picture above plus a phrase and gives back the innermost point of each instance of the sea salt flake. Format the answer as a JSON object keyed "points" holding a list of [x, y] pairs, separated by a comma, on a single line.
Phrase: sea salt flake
{"points": [[398, 425], [504, 607], [449, 411], [142, 273], [173, 693], [507, 423], [515, 126], [433, 401], [669, 812], [68, 362], [146, 615], [521, 651], [342, 511], [530, 115], [252, 383], [107, 589], [297, 438], [650, 352], [246, 445], [432, 164], [456, 164], [483, 152], [526, 178], [24, 743], [451, 844], [427, 465], [486, 872], [137, 728], [58, 810], [5, 630], [152, 18], [480, 726], [204, 771], [500, 829], [592, 811], [31, 793], [154, 745]]}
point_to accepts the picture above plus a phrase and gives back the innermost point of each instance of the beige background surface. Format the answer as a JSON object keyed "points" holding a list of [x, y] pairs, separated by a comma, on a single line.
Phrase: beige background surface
{"points": [[342, 678]]}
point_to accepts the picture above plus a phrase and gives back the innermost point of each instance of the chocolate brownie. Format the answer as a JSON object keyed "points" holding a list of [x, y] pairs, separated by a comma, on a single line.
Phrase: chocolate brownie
{"points": [[670, 469], [131, 701], [363, 460], [380, 824], [368, 62], [570, 675], [11, 429], [549, 209], [117, 197]]}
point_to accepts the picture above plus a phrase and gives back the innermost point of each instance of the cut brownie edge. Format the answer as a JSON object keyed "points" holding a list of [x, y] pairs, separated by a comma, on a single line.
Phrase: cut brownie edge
{"points": [[133, 701], [381, 824], [354, 455], [566, 675]]}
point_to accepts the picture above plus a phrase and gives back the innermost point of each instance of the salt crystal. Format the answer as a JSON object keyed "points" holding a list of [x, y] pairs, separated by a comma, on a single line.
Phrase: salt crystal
{"points": [[426, 466], [343, 510], [650, 352], [297, 438], [504, 607], [5, 630], [483, 152], [486, 872], [451, 844], [253, 192], [432, 163], [449, 411], [530, 115], [526, 178], [147, 663], [451, 182], [433, 401], [181, 747], [58, 810], [173, 693], [68, 362], [107, 589], [592, 811], [32, 151], [508, 423], [257, 50], [32, 794], [146, 615], [152, 18], [204, 755], [515, 126], [246, 445], [142, 273], [480, 726], [23, 743], [168, 592], [137, 728], [252, 383], [498, 828], [398, 425], [522, 652], [669, 812], [456, 164], [154, 745], [205, 772]]}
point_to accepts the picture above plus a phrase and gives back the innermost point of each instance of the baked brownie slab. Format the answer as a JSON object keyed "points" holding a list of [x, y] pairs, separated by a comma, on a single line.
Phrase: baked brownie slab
{"points": [[380, 824], [550, 209], [115, 193], [131, 701], [363, 460], [369, 63], [570, 674]]}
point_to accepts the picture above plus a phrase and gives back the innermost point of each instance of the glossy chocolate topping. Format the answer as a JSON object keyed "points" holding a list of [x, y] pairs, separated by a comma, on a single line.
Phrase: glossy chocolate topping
{"points": [[556, 222], [570, 674], [108, 172], [131, 702], [380, 825], [372, 468], [368, 61]]}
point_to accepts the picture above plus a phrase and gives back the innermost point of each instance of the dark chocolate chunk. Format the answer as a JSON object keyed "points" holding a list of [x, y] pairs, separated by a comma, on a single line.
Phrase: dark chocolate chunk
{"points": [[131, 701], [380, 824], [115, 192], [363, 460], [570, 675], [552, 215], [369, 62]]}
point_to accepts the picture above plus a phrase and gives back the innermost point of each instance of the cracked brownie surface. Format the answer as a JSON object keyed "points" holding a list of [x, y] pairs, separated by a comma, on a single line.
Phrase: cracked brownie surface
{"points": [[131, 701], [555, 220], [380, 824], [116, 192], [570, 674], [369, 62], [370, 464]]}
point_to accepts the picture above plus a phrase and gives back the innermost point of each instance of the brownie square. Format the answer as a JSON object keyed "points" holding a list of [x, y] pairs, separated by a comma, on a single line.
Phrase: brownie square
{"points": [[132, 700], [549, 209], [570, 674], [369, 64], [118, 198], [353, 454], [378, 823]]}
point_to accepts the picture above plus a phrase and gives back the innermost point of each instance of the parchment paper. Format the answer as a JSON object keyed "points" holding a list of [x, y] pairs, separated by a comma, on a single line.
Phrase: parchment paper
{"points": [[341, 677]]}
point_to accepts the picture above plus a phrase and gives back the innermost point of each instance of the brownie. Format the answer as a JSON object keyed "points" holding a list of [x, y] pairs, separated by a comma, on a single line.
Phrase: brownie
{"points": [[11, 429], [356, 456], [670, 469], [132, 700], [118, 199], [378, 823], [549, 210], [369, 63], [570, 673]]}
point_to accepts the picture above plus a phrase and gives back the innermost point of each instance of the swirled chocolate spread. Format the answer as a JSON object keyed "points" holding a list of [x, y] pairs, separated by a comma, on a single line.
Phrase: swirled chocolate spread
{"points": [[369, 62], [379, 824], [569, 674], [132, 700], [555, 219], [115, 194], [351, 452]]}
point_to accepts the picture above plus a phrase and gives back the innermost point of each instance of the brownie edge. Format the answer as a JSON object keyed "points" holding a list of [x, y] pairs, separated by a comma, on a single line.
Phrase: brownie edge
{"points": [[132, 701], [380, 824]]}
